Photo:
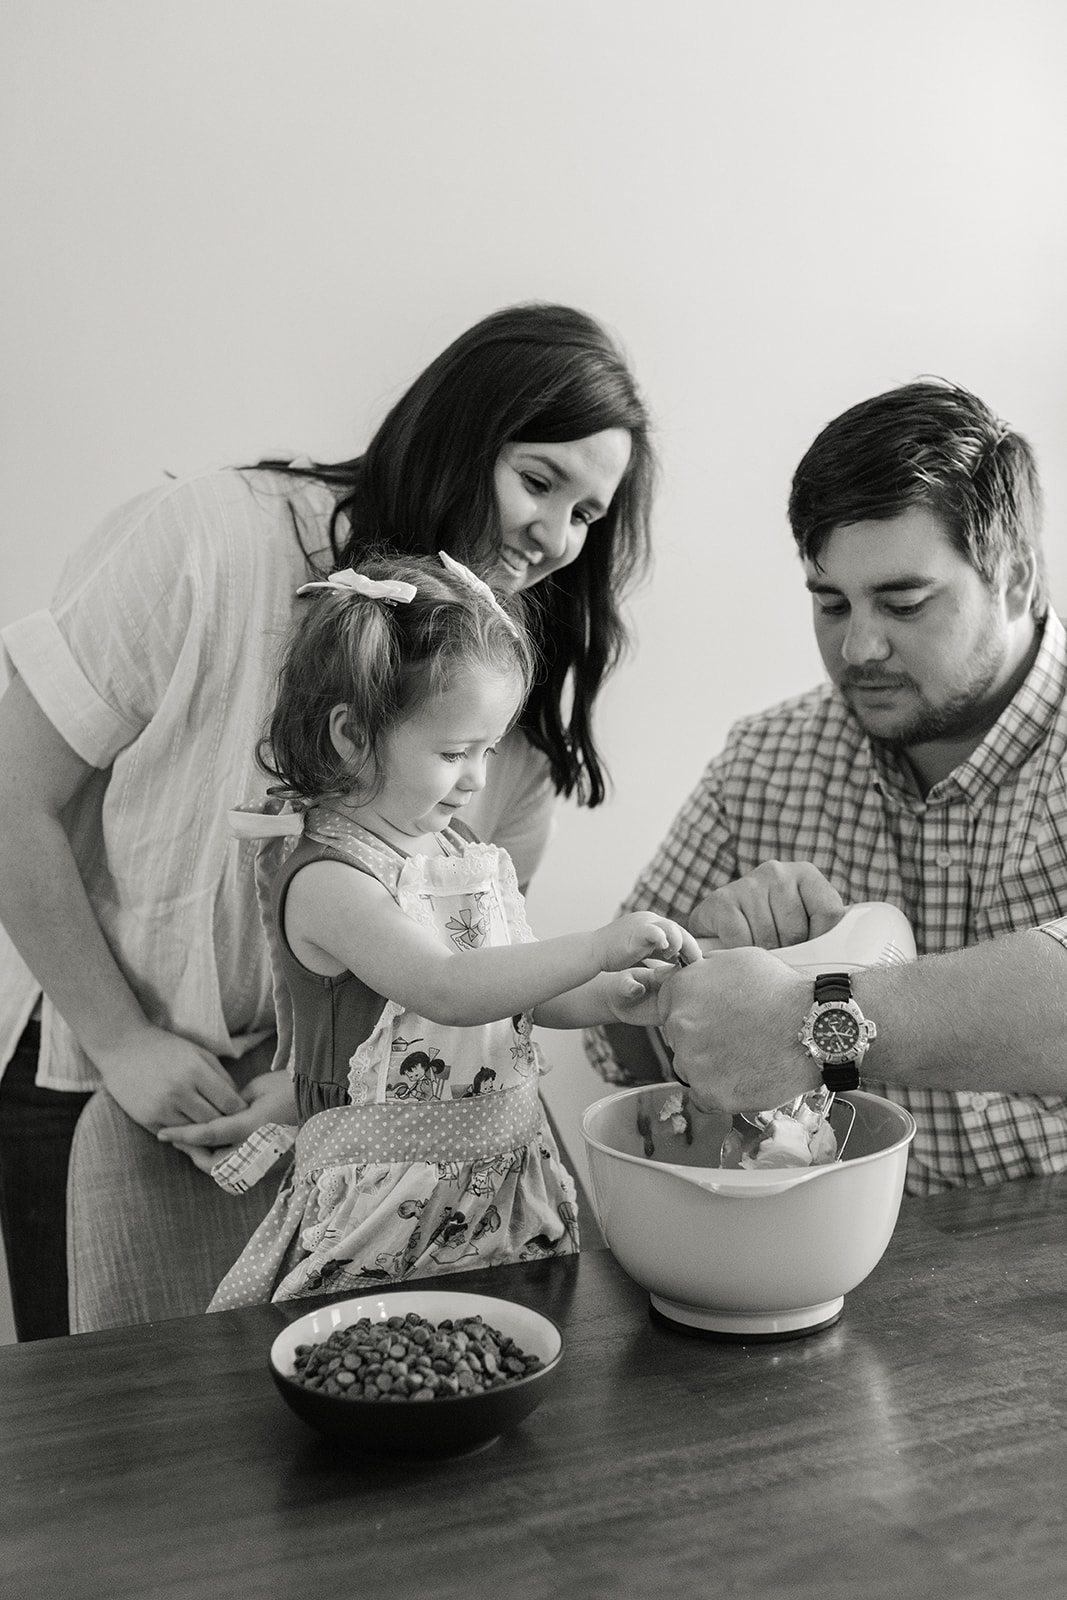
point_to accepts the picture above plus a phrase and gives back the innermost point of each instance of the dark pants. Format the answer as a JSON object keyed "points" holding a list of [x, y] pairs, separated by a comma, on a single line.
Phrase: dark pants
{"points": [[36, 1129]]}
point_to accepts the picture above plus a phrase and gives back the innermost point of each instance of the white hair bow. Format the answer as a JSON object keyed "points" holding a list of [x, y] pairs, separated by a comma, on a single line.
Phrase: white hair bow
{"points": [[265, 821], [392, 590], [471, 579]]}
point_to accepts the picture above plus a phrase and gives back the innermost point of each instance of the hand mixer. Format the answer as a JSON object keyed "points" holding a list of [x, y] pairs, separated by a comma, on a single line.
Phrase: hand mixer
{"points": [[871, 934]]}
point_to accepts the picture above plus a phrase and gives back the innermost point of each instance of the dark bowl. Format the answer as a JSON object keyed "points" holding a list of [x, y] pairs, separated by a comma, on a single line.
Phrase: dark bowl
{"points": [[407, 1430]]}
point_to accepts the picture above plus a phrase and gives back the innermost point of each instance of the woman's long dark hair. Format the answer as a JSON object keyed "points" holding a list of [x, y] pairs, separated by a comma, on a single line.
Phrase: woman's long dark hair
{"points": [[538, 373]]}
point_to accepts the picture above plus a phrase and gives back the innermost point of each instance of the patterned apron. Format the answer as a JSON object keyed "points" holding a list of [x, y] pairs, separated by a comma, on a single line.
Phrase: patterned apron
{"points": [[444, 1160]]}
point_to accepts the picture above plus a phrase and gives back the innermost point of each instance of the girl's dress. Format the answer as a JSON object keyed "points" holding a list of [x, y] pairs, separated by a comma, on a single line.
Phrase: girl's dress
{"points": [[423, 1149]]}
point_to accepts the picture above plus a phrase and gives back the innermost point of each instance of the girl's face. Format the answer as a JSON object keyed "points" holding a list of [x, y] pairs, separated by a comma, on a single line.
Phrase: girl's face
{"points": [[434, 763], [548, 497]]}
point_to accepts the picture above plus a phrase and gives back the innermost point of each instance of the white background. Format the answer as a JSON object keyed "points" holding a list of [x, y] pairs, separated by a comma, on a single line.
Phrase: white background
{"points": [[235, 226]]}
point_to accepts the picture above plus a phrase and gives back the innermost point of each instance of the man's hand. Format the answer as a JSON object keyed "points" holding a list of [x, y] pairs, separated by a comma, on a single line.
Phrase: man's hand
{"points": [[268, 1098], [732, 1022], [779, 904], [160, 1079]]}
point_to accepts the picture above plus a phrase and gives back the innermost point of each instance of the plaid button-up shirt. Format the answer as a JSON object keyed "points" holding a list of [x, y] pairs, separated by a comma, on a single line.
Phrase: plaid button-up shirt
{"points": [[983, 854]]}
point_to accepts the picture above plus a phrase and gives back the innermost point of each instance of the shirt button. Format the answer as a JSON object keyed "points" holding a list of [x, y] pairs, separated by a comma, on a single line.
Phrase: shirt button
{"points": [[943, 858], [979, 1102]]}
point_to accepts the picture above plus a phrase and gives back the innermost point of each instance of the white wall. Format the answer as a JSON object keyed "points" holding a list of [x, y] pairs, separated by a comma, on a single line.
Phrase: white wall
{"points": [[239, 225]]}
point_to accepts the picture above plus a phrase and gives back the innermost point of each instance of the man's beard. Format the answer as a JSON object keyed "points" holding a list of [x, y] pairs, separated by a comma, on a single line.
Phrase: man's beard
{"points": [[965, 712]]}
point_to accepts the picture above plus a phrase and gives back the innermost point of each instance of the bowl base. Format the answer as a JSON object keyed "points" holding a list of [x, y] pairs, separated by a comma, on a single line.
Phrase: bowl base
{"points": [[748, 1327]]}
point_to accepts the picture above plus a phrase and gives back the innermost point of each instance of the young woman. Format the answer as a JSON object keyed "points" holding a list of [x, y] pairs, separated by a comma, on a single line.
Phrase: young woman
{"points": [[127, 729]]}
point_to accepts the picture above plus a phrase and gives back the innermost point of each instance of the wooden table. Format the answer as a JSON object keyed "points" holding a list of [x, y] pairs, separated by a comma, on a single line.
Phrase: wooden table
{"points": [[918, 1448]]}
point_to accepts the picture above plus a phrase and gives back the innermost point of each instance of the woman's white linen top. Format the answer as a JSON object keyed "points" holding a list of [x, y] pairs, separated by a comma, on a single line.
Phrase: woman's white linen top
{"points": [[156, 663]]}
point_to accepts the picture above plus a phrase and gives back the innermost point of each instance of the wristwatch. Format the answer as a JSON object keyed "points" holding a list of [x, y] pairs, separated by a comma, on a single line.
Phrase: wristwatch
{"points": [[835, 1031]]}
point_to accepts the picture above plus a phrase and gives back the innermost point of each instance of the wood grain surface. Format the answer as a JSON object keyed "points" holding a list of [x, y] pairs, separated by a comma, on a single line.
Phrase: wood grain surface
{"points": [[918, 1448]]}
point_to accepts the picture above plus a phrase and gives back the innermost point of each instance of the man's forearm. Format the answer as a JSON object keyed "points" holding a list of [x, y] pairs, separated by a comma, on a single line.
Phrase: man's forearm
{"points": [[993, 1016]]}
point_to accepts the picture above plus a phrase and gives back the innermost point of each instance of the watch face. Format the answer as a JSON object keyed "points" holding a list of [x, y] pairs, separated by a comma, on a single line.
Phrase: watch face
{"points": [[835, 1031]]}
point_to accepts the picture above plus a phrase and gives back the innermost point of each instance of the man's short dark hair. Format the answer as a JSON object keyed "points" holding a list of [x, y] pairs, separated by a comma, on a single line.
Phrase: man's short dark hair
{"points": [[931, 444]]}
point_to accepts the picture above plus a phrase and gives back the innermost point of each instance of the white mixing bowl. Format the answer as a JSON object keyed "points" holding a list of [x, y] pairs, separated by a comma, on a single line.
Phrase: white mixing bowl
{"points": [[742, 1254]]}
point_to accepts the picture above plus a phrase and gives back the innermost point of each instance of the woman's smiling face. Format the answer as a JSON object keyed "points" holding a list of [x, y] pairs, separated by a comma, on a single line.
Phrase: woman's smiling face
{"points": [[548, 496]]}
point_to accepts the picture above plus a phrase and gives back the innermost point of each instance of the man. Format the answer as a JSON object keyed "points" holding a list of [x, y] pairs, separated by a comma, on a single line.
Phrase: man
{"points": [[930, 772]]}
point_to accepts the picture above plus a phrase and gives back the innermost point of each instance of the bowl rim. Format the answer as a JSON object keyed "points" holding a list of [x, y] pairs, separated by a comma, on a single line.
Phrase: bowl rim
{"points": [[772, 1173], [287, 1336]]}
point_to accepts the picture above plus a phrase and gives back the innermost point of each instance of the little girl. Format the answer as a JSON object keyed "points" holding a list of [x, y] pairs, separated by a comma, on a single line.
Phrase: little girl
{"points": [[413, 977]]}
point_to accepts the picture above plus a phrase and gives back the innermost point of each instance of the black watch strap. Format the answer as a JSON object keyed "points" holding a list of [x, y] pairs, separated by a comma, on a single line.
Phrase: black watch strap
{"points": [[832, 986], [840, 1076]]}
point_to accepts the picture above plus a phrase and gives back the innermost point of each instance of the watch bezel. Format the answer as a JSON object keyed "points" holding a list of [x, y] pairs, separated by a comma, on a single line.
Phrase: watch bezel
{"points": [[865, 1032]]}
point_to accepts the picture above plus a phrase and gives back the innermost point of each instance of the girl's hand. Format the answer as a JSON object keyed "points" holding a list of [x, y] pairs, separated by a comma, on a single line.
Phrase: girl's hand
{"points": [[633, 996], [642, 935]]}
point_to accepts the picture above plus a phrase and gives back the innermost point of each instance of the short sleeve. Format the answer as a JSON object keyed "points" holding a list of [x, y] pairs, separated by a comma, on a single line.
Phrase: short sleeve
{"points": [[38, 652], [100, 660]]}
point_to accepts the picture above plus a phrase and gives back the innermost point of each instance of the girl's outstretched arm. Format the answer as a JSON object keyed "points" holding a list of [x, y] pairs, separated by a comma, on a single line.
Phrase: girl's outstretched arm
{"points": [[631, 997], [339, 918]]}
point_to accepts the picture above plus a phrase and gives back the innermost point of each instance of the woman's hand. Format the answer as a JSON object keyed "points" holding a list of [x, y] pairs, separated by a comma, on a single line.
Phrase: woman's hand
{"points": [[268, 1098], [781, 903], [159, 1079], [640, 936]]}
